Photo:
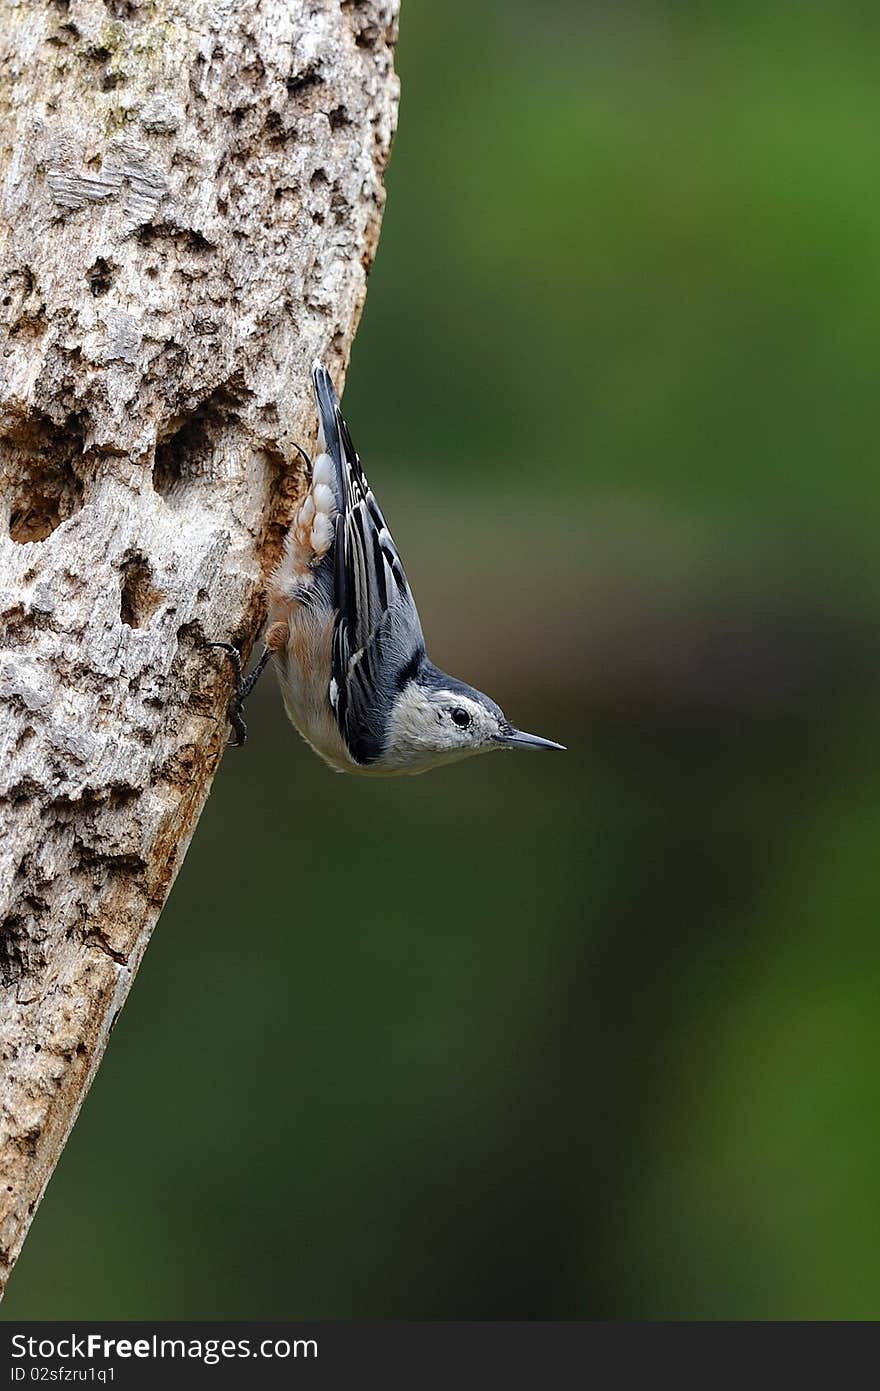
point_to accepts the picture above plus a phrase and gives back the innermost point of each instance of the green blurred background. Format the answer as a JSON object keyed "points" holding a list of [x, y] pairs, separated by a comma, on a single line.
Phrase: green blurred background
{"points": [[591, 1036]]}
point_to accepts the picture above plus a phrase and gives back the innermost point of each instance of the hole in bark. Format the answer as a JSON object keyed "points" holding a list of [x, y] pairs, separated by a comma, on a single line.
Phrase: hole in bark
{"points": [[43, 489], [27, 314], [274, 127], [301, 81], [110, 80], [338, 118], [190, 456], [339, 205], [184, 238], [26, 735], [139, 598], [168, 468], [100, 277], [123, 9], [319, 177], [18, 955]]}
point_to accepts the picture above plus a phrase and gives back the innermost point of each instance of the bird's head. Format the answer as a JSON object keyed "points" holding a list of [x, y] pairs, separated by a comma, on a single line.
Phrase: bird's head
{"points": [[437, 719]]}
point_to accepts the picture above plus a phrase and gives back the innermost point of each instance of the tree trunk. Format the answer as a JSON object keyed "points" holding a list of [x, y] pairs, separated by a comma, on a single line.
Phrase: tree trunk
{"points": [[191, 203]]}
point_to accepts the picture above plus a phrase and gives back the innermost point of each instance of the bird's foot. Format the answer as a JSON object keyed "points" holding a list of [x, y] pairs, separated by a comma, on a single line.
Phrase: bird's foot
{"points": [[243, 687]]}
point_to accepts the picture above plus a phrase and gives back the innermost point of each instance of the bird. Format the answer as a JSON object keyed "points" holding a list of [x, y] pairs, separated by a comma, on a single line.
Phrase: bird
{"points": [[344, 635]]}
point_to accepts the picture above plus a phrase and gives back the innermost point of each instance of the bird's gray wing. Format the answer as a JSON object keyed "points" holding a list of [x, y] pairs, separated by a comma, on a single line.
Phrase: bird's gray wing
{"points": [[377, 639]]}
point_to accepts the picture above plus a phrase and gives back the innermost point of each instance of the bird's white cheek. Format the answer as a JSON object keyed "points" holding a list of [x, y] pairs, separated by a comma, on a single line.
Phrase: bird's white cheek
{"points": [[410, 727]]}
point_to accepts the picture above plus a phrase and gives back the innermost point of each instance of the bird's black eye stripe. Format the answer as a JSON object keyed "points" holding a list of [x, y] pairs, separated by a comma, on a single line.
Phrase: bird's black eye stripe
{"points": [[410, 671], [460, 717]]}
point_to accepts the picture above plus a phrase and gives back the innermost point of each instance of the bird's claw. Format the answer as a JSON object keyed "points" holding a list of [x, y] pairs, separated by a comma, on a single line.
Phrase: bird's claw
{"points": [[243, 688]]}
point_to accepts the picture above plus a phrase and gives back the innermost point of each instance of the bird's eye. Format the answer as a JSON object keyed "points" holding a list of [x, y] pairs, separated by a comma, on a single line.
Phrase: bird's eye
{"points": [[460, 717]]}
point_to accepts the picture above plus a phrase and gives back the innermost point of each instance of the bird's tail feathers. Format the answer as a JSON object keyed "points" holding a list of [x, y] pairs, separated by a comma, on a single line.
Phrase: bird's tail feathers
{"points": [[335, 441], [328, 412]]}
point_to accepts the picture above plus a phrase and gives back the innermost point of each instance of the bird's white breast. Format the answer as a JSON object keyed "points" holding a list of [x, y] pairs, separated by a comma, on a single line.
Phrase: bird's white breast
{"points": [[303, 666]]}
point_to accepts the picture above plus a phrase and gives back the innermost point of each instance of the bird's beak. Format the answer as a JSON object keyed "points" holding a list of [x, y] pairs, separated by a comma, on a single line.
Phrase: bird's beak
{"points": [[516, 739]]}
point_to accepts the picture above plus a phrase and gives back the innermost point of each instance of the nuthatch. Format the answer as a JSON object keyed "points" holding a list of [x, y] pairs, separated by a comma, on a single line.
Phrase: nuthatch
{"points": [[346, 639]]}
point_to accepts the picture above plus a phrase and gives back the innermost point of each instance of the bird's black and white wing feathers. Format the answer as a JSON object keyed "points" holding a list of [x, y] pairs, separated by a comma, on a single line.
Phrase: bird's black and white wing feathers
{"points": [[377, 639]]}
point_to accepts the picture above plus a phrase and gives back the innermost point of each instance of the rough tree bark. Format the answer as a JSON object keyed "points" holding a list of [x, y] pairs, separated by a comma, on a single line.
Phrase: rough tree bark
{"points": [[191, 202]]}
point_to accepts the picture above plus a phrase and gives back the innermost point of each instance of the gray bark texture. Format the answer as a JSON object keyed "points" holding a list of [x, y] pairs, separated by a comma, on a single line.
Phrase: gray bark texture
{"points": [[191, 198]]}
